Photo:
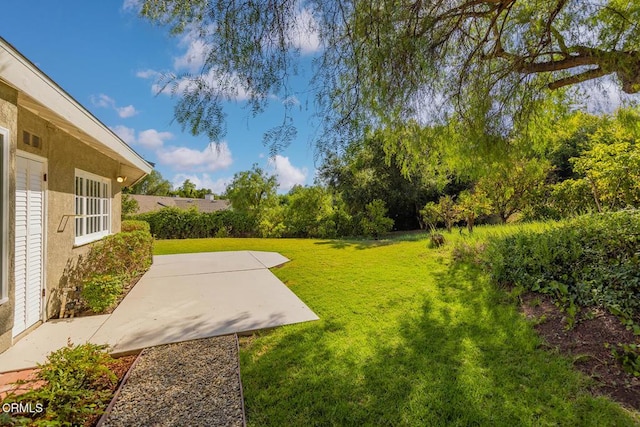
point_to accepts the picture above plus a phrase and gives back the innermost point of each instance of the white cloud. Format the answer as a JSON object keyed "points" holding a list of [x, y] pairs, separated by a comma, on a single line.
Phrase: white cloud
{"points": [[211, 158], [148, 74], [218, 186], [103, 101], [128, 111], [306, 33], [193, 58], [128, 135], [132, 5], [151, 138], [287, 174]]}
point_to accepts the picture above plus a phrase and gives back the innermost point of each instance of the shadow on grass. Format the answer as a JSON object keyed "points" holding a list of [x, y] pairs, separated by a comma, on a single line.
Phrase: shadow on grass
{"points": [[357, 244], [465, 358]]}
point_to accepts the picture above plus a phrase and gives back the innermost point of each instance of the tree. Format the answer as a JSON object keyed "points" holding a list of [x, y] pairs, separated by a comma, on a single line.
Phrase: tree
{"points": [[486, 60], [251, 191], [470, 206], [187, 189], [129, 206], [511, 186], [309, 212], [272, 217], [152, 185], [444, 211], [611, 166], [374, 221], [365, 173]]}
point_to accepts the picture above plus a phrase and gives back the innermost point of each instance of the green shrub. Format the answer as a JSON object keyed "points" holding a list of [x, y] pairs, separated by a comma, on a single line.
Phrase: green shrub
{"points": [[124, 254], [100, 292], [175, 223], [78, 384], [592, 260], [374, 221], [133, 225]]}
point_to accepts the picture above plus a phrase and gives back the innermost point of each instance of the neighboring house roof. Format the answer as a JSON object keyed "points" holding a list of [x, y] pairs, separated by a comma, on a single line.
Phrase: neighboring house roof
{"points": [[154, 203], [42, 96]]}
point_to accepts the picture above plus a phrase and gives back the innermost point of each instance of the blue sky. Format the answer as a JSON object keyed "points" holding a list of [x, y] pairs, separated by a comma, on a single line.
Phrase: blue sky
{"points": [[108, 59]]}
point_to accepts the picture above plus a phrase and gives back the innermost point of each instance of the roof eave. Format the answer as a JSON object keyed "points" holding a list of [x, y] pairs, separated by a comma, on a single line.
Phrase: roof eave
{"points": [[28, 79]]}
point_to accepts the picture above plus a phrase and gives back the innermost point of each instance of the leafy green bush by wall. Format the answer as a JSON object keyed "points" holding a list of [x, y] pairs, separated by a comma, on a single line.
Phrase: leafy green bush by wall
{"points": [[101, 292], [133, 225], [127, 254], [77, 384], [592, 260], [118, 257]]}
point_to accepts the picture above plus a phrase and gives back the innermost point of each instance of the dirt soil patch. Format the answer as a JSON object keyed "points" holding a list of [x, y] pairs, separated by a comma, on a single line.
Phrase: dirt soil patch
{"points": [[585, 344]]}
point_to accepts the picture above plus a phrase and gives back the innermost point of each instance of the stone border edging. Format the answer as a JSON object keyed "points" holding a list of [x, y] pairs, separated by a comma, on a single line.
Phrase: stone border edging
{"points": [[244, 415], [115, 396]]}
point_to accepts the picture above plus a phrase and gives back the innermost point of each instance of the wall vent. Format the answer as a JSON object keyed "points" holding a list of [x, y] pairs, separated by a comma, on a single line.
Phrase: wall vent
{"points": [[31, 139]]}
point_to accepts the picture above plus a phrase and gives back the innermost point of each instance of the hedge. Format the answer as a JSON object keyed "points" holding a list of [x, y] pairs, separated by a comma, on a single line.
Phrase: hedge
{"points": [[592, 260], [175, 223]]}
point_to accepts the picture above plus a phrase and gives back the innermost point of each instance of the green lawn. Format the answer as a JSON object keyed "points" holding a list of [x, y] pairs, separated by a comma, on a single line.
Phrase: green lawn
{"points": [[405, 338]]}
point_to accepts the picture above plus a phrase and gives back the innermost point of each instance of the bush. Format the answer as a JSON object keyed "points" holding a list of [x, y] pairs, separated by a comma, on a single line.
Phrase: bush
{"points": [[375, 222], [592, 260], [119, 258], [125, 254], [175, 223], [133, 225], [101, 291], [77, 384]]}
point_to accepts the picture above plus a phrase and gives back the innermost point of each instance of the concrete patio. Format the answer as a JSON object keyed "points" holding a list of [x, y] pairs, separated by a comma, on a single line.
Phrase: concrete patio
{"points": [[182, 297]]}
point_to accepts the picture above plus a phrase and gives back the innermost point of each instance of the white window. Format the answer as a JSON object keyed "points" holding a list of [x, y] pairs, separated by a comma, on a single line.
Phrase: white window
{"points": [[93, 207], [4, 215]]}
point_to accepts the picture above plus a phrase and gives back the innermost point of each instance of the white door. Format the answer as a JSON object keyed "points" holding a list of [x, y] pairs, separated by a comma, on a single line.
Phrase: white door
{"points": [[29, 252]]}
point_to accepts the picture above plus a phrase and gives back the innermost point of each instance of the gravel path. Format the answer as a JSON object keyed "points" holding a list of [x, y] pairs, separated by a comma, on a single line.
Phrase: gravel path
{"points": [[195, 383]]}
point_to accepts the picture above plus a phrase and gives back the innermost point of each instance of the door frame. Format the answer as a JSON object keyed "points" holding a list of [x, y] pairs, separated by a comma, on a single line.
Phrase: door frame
{"points": [[45, 199], [5, 200]]}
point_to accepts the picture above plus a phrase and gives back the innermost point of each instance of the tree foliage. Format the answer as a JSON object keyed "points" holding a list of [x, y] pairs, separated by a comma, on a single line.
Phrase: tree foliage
{"points": [[510, 187], [482, 62], [374, 220], [601, 164], [309, 212], [251, 191], [129, 206], [365, 172], [153, 185]]}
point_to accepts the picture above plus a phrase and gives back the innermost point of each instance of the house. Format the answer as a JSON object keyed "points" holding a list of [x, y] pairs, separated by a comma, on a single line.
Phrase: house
{"points": [[154, 203], [61, 174]]}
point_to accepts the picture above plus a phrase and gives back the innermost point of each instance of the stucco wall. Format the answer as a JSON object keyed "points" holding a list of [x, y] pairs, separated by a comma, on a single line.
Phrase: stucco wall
{"points": [[9, 120], [64, 154]]}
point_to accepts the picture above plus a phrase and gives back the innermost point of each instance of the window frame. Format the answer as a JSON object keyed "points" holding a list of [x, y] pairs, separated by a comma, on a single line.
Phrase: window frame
{"points": [[92, 200], [4, 215]]}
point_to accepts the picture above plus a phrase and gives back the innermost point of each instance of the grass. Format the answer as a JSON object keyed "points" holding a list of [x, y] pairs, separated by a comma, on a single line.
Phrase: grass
{"points": [[405, 338]]}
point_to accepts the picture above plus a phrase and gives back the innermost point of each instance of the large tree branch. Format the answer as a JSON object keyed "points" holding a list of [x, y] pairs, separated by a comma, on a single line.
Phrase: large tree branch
{"points": [[577, 78]]}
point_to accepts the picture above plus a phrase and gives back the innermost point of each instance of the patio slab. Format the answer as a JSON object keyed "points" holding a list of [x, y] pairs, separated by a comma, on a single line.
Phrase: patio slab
{"points": [[49, 336], [181, 298]]}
